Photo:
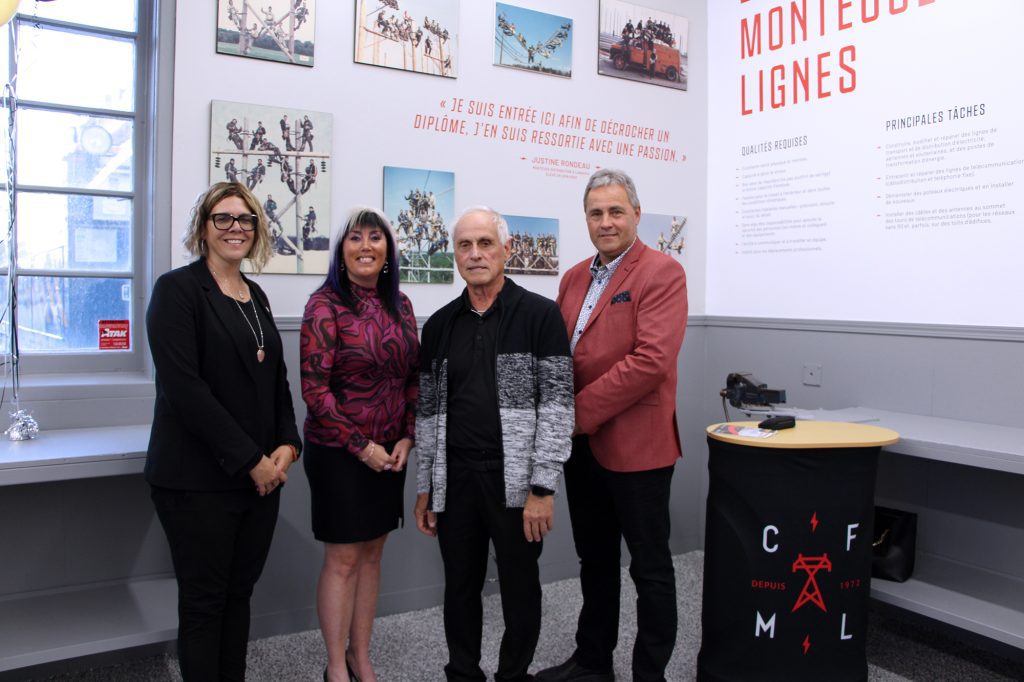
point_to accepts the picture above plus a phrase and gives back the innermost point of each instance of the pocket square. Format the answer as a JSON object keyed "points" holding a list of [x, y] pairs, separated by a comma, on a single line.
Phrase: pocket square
{"points": [[621, 297]]}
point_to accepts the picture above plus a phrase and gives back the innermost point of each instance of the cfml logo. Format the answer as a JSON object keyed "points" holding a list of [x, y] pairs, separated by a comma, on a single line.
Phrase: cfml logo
{"points": [[814, 567]]}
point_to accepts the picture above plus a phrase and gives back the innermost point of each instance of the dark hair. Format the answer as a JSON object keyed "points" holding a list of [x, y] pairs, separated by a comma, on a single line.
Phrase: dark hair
{"points": [[387, 282]]}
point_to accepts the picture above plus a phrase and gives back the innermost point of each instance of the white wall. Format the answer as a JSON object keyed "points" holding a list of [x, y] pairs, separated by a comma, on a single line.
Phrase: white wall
{"points": [[374, 109], [889, 189]]}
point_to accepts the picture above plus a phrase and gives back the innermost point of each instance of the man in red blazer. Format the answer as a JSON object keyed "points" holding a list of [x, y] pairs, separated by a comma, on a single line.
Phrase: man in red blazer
{"points": [[625, 310]]}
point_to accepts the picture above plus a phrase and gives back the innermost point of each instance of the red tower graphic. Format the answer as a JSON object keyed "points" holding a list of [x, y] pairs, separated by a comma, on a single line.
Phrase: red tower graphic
{"points": [[811, 591]]}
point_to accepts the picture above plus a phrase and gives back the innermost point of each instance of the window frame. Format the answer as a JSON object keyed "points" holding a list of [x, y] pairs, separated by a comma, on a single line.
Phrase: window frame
{"points": [[149, 69]]}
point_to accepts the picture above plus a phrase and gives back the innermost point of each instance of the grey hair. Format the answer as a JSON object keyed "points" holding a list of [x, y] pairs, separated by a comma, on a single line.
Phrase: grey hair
{"points": [[499, 221], [612, 176]]}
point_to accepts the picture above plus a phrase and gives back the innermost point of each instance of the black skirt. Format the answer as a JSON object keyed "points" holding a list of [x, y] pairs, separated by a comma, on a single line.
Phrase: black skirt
{"points": [[351, 502]]}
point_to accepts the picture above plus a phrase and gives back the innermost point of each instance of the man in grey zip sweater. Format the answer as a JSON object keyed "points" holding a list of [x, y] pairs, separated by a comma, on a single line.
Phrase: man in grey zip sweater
{"points": [[493, 426]]}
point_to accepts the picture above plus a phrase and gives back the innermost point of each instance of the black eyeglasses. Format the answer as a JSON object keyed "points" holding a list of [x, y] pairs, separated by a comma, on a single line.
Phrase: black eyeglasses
{"points": [[223, 221]]}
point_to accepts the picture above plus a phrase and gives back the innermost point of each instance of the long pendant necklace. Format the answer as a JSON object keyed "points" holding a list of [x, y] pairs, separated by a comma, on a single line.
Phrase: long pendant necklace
{"points": [[260, 354]]}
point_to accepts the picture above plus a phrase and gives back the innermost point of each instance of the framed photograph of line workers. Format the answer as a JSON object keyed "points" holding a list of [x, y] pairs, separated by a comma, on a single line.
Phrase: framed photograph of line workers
{"points": [[418, 35], [664, 232], [534, 245], [420, 204], [532, 41], [642, 44], [282, 154], [278, 30]]}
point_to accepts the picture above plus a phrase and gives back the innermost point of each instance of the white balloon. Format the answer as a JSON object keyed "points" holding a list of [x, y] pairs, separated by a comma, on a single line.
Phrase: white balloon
{"points": [[7, 10]]}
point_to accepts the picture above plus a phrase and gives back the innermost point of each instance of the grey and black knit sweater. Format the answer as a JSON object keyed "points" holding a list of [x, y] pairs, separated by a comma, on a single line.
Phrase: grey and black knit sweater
{"points": [[535, 396]]}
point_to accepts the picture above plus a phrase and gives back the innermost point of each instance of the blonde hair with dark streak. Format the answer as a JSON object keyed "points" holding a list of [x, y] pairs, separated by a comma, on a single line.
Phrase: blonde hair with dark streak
{"points": [[199, 217]]}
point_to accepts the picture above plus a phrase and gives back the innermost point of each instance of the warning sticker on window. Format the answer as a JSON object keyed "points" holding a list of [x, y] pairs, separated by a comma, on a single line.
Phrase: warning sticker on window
{"points": [[114, 335]]}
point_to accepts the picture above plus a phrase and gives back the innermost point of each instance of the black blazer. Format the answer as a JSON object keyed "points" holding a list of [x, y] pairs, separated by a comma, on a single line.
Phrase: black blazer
{"points": [[210, 423]]}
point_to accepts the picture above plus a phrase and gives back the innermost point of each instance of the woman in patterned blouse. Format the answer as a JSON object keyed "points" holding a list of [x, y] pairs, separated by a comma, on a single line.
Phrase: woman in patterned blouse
{"points": [[359, 352]]}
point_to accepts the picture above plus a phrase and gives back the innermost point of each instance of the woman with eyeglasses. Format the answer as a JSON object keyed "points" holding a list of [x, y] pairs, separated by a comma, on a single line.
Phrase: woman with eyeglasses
{"points": [[223, 431], [360, 380]]}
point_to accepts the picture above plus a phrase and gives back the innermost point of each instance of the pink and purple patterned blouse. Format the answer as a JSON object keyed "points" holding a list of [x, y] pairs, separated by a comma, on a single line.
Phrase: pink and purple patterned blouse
{"points": [[360, 374]]}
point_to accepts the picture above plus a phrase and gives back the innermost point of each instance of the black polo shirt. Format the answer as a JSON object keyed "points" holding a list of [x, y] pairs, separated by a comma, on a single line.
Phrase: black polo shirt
{"points": [[474, 424]]}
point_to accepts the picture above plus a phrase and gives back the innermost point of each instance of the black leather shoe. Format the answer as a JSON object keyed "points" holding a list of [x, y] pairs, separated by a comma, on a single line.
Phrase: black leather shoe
{"points": [[571, 671]]}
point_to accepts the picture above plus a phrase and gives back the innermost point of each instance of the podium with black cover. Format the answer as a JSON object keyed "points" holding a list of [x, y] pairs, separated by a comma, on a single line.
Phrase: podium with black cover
{"points": [[787, 554]]}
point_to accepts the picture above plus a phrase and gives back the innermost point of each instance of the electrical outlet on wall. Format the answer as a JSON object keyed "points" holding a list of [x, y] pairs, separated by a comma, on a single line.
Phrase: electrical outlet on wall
{"points": [[812, 375]]}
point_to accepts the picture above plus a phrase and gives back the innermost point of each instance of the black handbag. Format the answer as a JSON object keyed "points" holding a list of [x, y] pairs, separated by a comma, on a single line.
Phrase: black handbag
{"points": [[892, 556]]}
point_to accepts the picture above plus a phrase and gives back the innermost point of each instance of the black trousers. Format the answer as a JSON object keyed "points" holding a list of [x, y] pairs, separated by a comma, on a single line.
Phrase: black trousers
{"points": [[605, 507], [474, 515], [219, 544]]}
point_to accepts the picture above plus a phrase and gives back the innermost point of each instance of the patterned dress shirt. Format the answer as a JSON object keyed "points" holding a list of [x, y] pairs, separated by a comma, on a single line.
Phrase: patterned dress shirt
{"points": [[601, 274]]}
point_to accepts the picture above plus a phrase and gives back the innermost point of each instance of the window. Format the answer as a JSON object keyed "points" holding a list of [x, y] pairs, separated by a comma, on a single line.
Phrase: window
{"points": [[81, 181]]}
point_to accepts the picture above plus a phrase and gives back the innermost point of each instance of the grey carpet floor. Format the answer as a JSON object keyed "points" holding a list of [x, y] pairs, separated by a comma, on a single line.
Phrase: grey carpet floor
{"points": [[410, 647]]}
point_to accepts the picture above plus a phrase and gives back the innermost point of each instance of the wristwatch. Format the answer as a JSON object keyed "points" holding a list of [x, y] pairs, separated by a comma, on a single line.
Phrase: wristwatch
{"points": [[541, 491]]}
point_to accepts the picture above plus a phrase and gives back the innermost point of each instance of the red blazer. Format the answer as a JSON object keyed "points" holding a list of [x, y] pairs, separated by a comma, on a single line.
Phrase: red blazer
{"points": [[625, 361]]}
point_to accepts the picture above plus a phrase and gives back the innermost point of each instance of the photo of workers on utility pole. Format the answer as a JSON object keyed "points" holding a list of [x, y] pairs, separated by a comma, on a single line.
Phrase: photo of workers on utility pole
{"points": [[534, 245], [532, 41], [421, 206], [283, 155], [418, 35], [278, 30], [664, 232]]}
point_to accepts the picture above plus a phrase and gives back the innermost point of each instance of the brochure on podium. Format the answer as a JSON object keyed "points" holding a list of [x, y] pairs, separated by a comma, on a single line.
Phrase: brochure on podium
{"points": [[747, 431]]}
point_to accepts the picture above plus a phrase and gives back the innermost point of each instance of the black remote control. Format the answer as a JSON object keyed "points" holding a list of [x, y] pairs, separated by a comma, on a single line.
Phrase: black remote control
{"points": [[778, 423]]}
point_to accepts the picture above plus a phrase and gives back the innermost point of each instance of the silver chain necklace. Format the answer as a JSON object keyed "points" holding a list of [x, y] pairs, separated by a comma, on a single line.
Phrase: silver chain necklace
{"points": [[260, 354]]}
